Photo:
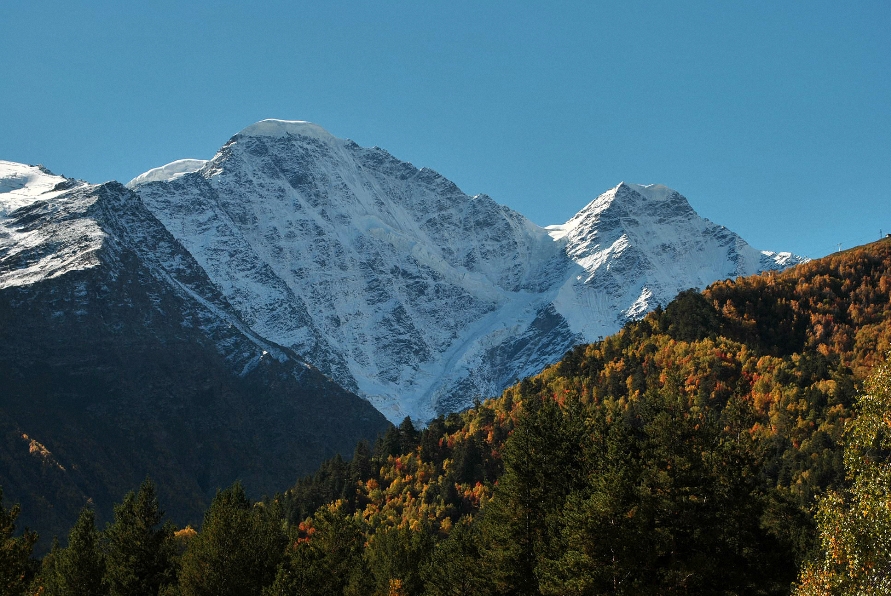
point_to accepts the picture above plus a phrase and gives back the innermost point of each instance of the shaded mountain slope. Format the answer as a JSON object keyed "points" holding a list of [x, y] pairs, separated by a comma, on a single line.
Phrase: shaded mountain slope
{"points": [[120, 359]]}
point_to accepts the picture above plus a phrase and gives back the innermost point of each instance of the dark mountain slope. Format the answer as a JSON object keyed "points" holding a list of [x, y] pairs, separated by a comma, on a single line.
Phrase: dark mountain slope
{"points": [[124, 361]]}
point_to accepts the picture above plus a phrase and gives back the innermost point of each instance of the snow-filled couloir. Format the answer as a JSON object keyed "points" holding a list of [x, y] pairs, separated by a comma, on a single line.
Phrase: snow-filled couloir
{"points": [[399, 286]]}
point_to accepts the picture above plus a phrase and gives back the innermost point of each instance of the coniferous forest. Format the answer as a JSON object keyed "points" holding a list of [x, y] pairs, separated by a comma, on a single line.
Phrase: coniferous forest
{"points": [[737, 441]]}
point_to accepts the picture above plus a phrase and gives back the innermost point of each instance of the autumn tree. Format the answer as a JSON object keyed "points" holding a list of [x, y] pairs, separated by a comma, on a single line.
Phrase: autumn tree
{"points": [[855, 523]]}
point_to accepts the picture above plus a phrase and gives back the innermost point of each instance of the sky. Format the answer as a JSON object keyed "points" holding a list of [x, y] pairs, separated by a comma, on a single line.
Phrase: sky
{"points": [[772, 117]]}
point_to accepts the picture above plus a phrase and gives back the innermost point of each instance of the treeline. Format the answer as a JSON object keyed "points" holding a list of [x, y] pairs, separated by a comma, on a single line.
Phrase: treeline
{"points": [[710, 448]]}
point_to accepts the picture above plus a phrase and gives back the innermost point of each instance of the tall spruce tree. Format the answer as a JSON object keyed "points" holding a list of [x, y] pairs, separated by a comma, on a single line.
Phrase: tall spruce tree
{"points": [[140, 551], [395, 557], [237, 550], [79, 568], [327, 562], [542, 466], [454, 565], [605, 543]]}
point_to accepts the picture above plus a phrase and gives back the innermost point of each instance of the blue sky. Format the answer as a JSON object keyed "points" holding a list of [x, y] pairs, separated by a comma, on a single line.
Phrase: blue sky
{"points": [[773, 118]]}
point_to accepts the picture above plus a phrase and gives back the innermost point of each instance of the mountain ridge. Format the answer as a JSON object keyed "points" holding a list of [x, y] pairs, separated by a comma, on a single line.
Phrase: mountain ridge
{"points": [[426, 267]]}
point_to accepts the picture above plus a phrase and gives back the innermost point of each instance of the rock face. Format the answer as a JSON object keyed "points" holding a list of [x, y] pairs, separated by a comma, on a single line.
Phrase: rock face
{"points": [[405, 290], [120, 358]]}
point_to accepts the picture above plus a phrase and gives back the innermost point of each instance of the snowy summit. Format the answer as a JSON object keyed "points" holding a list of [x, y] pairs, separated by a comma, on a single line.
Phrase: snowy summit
{"points": [[404, 289]]}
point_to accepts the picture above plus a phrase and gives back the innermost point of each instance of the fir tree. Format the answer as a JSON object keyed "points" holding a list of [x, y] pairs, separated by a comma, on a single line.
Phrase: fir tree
{"points": [[140, 552], [237, 550], [326, 562], [454, 566], [395, 557], [542, 465], [79, 568]]}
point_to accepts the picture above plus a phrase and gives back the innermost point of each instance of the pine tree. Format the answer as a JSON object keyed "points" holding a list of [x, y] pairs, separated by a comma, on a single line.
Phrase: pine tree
{"points": [[606, 540], [140, 552], [326, 562], [408, 436], [542, 466], [395, 557], [237, 550], [360, 468], [390, 444], [454, 566], [79, 568]]}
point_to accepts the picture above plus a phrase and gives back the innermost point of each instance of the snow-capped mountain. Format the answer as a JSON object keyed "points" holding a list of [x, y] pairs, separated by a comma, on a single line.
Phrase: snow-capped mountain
{"points": [[402, 288]]}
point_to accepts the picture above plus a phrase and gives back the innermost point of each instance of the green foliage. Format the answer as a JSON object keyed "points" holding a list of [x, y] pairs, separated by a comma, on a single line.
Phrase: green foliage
{"points": [[16, 567], [396, 556], [454, 567], [671, 504], [690, 317], [605, 545], [683, 454], [79, 568], [140, 552], [855, 523], [542, 465], [327, 561], [237, 550]]}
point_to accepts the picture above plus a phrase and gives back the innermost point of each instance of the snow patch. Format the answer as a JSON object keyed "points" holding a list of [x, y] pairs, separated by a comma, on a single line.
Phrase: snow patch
{"points": [[66, 240], [21, 185], [284, 128], [171, 171]]}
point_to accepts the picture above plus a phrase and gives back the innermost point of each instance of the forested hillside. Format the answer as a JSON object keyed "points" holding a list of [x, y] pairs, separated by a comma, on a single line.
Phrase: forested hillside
{"points": [[685, 454]]}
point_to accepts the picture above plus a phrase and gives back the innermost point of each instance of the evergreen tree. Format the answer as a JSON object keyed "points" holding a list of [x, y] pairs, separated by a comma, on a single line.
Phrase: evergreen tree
{"points": [[542, 466], [408, 436], [360, 468], [390, 444], [79, 568], [140, 552], [327, 561], [46, 575], [690, 317], [395, 557], [606, 541], [430, 449], [16, 567], [237, 550], [467, 462], [454, 566]]}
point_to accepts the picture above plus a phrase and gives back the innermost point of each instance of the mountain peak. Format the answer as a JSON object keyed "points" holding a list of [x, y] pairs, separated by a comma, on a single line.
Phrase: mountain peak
{"points": [[283, 128], [653, 192], [22, 185]]}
